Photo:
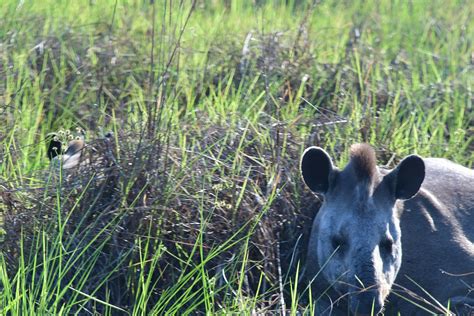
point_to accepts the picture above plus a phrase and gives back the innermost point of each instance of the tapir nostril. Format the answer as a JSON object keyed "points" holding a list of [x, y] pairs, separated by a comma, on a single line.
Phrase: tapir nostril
{"points": [[366, 303]]}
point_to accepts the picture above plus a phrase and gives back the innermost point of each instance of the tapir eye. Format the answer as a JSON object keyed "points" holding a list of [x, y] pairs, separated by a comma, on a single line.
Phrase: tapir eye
{"points": [[386, 245], [338, 242]]}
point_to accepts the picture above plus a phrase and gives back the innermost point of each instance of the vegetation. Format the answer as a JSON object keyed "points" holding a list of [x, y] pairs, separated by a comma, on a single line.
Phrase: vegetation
{"points": [[188, 198]]}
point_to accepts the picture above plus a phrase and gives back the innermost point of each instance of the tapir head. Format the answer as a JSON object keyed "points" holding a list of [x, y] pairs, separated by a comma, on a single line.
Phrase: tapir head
{"points": [[356, 233]]}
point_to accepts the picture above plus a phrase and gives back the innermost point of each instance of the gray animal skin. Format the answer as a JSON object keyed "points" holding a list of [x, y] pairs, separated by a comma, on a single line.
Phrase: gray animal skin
{"points": [[390, 241]]}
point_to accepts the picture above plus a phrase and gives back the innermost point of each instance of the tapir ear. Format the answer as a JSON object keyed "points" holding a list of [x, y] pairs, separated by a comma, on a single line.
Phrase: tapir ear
{"points": [[316, 166], [406, 179]]}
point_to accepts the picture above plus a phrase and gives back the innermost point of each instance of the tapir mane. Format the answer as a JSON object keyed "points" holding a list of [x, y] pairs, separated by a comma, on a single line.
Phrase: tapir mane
{"points": [[363, 162]]}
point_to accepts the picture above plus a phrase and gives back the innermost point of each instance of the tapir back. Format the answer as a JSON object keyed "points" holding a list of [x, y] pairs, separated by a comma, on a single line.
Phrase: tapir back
{"points": [[437, 228]]}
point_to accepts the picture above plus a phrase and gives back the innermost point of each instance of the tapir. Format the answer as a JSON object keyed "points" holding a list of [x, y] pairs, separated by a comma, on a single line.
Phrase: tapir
{"points": [[390, 241]]}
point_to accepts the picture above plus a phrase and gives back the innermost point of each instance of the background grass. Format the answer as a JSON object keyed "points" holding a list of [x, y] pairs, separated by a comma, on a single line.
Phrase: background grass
{"points": [[195, 202]]}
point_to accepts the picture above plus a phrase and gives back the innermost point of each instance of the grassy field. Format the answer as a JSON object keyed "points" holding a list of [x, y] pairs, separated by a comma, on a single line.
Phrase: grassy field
{"points": [[189, 197]]}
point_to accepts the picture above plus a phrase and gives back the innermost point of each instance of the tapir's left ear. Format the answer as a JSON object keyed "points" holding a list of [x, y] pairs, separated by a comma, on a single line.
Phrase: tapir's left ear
{"points": [[406, 179], [316, 166]]}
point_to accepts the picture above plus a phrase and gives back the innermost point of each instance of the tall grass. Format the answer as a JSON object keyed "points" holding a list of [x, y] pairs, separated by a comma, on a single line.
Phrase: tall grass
{"points": [[195, 203]]}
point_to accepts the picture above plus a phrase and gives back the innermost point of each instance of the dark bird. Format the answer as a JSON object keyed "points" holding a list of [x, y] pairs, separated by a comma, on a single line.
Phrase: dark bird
{"points": [[54, 147], [71, 157]]}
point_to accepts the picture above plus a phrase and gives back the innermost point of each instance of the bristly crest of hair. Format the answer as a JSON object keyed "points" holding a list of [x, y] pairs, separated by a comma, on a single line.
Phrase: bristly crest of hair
{"points": [[363, 161]]}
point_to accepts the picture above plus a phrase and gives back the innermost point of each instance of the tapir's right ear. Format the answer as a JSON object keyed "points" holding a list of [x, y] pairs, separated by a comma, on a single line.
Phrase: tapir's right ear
{"points": [[405, 180], [316, 167]]}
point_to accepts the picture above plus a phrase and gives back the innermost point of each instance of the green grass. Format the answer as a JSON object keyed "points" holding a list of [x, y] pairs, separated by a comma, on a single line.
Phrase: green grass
{"points": [[211, 105]]}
